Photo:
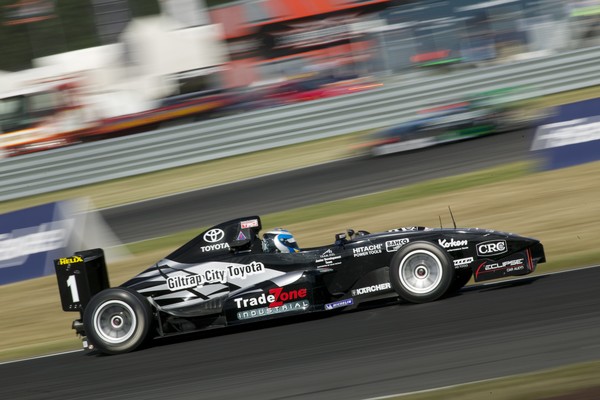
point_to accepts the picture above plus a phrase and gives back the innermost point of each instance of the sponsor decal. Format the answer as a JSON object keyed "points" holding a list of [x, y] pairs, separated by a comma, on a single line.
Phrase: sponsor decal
{"points": [[367, 250], [371, 289], [329, 259], [181, 282], [452, 244], [213, 247], [410, 229], [509, 266], [281, 295], [275, 298], [463, 262], [266, 311], [251, 223], [492, 248], [241, 236], [214, 235], [338, 304], [213, 275], [70, 260], [328, 253], [394, 245], [243, 271]]}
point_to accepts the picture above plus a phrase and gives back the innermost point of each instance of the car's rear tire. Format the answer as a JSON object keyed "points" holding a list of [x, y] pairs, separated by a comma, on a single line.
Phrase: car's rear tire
{"points": [[117, 320], [421, 272]]}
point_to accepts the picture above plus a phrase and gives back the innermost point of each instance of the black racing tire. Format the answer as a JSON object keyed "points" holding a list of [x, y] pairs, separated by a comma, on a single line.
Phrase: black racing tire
{"points": [[117, 320], [461, 277], [421, 272]]}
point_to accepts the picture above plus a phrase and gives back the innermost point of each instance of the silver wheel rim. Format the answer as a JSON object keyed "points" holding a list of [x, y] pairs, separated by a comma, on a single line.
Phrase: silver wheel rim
{"points": [[115, 321], [420, 271]]}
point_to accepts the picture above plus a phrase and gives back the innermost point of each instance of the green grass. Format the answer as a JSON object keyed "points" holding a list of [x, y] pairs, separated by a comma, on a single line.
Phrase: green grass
{"points": [[333, 208], [416, 191], [573, 380]]}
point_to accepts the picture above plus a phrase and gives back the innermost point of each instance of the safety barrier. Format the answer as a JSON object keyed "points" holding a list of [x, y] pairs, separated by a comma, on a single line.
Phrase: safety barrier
{"points": [[177, 146]]}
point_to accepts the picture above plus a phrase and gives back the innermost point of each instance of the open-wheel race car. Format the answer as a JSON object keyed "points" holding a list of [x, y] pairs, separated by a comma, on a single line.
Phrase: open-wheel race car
{"points": [[229, 275]]}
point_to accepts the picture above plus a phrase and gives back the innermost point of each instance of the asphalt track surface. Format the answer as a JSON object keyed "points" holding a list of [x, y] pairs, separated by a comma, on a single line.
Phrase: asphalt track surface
{"points": [[484, 332], [312, 185]]}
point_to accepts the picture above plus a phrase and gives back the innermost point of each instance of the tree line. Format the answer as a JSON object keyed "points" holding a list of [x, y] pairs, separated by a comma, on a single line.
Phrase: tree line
{"points": [[25, 33]]}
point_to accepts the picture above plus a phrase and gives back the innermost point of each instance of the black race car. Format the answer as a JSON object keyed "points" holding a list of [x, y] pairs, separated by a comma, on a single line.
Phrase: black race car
{"points": [[228, 275]]}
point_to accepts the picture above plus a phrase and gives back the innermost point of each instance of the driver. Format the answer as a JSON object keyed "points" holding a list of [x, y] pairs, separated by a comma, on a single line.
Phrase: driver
{"points": [[279, 241]]}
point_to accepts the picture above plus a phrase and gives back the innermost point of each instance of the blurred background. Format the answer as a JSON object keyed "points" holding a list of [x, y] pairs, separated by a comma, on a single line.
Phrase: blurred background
{"points": [[74, 71]]}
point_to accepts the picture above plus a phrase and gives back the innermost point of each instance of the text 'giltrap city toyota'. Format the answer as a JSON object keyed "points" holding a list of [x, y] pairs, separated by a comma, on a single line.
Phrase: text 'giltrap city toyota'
{"points": [[227, 276]]}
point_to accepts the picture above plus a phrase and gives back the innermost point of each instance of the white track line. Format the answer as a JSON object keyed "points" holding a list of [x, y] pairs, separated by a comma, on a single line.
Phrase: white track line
{"points": [[391, 396], [38, 357]]}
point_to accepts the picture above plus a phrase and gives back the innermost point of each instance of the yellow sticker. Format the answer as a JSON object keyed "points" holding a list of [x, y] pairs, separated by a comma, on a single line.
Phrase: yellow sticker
{"points": [[70, 260]]}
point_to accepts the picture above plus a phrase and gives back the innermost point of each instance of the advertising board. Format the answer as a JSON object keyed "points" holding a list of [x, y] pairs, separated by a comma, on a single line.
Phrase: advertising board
{"points": [[32, 238], [571, 136]]}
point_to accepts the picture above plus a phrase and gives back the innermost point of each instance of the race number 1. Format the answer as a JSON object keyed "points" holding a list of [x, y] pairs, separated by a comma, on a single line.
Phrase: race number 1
{"points": [[72, 284]]}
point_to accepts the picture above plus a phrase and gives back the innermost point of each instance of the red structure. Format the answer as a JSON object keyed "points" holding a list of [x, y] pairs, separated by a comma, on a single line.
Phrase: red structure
{"points": [[270, 39]]}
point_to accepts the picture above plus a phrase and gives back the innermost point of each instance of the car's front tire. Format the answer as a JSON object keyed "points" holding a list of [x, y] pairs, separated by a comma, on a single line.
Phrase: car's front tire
{"points": [[117, 320], [421, 272]]}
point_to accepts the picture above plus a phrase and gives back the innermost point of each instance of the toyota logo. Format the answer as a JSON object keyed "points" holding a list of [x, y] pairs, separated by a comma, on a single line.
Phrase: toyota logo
{"points": [[214, 235]]}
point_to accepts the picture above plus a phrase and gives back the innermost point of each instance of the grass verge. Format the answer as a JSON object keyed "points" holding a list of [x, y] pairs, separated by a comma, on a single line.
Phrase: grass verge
{"points": [[580, 381], [360, 203]]}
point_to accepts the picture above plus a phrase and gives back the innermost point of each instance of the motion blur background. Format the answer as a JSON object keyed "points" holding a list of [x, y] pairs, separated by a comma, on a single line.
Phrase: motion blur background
{"points": [[273, 38], [77, 71]]}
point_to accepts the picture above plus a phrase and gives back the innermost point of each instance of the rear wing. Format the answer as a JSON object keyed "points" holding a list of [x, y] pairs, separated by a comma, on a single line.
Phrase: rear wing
{"points": [[80, 277]]}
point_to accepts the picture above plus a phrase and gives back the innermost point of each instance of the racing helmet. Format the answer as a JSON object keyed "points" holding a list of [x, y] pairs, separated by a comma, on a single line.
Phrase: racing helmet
{"points": [[279, 241]]}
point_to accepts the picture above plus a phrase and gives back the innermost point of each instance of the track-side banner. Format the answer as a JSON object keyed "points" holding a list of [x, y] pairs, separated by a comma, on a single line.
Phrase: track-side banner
{"points": [[30, 239], [571, 137]]}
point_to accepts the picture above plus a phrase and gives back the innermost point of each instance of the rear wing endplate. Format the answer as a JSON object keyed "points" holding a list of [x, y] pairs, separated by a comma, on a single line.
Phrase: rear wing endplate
{"points": [[80, 277]]}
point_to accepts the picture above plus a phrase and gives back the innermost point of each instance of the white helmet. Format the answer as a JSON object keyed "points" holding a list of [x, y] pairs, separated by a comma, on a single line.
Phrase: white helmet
{"points": [[279, 241]]}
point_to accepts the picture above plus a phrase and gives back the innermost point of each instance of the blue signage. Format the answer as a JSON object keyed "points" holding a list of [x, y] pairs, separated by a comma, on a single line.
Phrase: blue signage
{"points": [[571, 136], [31, 239]]}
